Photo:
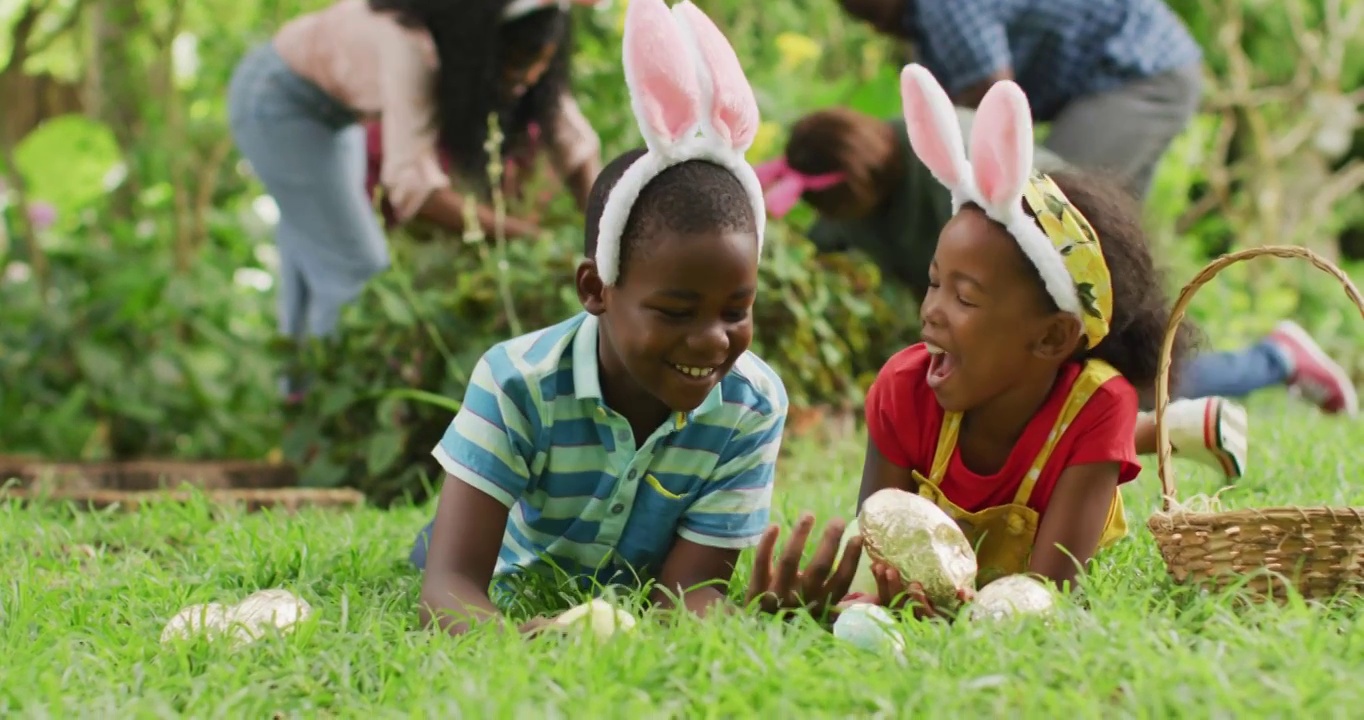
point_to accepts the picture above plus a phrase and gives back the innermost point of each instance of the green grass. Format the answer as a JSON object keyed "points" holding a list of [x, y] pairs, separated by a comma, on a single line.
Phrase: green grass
{"points": [[79, 635]]}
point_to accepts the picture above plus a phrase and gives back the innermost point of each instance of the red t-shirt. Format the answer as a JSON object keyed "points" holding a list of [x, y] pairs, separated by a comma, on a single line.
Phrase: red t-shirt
{"points": [[904, 418]]}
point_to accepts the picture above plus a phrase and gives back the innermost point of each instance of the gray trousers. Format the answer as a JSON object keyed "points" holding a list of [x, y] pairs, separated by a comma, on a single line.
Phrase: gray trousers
{"points": [[1127, 130], [309, 152]]}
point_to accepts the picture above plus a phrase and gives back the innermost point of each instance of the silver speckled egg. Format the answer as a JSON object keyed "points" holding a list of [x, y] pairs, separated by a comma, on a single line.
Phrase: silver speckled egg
{"points": [[1010, 596]]}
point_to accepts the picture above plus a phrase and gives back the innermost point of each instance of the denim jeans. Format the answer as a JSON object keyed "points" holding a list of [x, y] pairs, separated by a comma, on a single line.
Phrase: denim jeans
{"points": [[1235, 373], [308, 149], [418, 554]]}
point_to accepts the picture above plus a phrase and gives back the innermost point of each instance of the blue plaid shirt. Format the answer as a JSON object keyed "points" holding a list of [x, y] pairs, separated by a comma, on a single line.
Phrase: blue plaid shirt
{"points": [[1058, 49]]}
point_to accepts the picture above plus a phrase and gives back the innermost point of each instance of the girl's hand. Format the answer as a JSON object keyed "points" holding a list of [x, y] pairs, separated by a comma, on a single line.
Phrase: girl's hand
{"points": [[894, 592], [787, 587]]}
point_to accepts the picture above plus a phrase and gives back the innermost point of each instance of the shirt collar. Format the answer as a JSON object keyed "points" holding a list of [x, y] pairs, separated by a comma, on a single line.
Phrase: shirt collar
{"points": [[587, 377]]}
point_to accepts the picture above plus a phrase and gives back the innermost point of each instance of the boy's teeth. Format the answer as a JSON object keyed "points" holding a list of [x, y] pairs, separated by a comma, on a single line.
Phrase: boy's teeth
{"points": [[933, 349], [694, 371]]}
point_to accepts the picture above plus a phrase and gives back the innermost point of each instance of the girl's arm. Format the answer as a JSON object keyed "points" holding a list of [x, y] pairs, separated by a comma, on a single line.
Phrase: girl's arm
{"points": [[1070, 530], [575, 150], [410, 169], [879, 473], [445, 207]]}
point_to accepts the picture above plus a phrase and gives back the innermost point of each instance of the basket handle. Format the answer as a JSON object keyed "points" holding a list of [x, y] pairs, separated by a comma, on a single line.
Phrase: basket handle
{"points": [[1163, 449]]}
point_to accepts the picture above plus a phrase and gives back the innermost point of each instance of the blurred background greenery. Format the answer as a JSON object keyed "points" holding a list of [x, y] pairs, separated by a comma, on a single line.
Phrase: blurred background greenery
{"points": [[136, 303]]}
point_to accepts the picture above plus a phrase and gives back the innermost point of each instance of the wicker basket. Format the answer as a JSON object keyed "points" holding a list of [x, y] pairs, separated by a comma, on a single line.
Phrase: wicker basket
{"points": [[1319, 551]]}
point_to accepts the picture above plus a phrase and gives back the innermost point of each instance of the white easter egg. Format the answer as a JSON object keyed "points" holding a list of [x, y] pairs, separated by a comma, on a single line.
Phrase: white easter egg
{"points": [[244, 622], [601, 618], [276, 607], [869, 627], [208, 618], [1010, 596], [918, 539]]}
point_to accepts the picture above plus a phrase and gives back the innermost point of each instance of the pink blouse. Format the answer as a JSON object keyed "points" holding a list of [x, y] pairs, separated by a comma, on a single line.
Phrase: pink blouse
{"points": [[379, 68]]}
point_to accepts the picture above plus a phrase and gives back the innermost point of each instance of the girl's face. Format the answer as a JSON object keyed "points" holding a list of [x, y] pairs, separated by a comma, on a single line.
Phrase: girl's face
{"points": [[986, 316]]}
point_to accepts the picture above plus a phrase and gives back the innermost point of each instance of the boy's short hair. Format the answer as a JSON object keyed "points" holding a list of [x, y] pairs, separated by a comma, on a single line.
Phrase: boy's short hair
{"points": [[695, 196]]}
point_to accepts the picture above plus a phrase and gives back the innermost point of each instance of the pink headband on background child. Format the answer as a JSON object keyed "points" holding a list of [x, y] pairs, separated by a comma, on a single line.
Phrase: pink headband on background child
{"points": [[783, 185], [692, 102]]}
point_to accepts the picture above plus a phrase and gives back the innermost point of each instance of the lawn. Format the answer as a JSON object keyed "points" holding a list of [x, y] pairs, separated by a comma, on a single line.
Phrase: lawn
{"points": [[85, 597]]}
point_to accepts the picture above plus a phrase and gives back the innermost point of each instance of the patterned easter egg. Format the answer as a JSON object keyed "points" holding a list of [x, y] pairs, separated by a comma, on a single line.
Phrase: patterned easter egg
{"points": [[1010, 596], [918, 539]]}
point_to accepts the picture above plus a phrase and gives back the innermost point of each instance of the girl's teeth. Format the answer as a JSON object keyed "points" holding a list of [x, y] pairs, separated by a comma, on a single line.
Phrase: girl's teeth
{"points": [[698, 372], [933, 349]]}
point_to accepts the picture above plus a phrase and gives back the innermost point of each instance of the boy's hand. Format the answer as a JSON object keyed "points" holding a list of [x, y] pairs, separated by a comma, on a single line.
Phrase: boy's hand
{"points": [[535, 626], [786, 586], [894, 592]]}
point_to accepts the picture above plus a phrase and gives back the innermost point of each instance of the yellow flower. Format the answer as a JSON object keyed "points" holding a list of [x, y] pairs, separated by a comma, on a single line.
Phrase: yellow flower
{"points": [[764, 142], [796, 50]]}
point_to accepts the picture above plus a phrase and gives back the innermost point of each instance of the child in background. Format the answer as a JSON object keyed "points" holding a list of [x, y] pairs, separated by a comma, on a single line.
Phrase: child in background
{"points": [[872, 194], [1043, 315], [430, 69], [636, 441]]}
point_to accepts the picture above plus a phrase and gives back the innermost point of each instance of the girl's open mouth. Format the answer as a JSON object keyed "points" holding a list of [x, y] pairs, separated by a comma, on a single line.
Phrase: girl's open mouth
{"points": [[941, 365]]}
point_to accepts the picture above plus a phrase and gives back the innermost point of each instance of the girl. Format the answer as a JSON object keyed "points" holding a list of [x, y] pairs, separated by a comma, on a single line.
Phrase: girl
{"points": [[431, 69], [1043, 315], [871, 193]]}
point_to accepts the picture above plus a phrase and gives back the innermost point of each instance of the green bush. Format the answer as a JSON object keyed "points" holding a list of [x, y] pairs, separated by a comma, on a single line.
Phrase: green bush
{"points": [[387, 386]]}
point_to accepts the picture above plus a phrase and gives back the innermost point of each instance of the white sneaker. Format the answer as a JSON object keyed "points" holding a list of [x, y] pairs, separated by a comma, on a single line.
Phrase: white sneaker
{"points": [[1209, 430]]}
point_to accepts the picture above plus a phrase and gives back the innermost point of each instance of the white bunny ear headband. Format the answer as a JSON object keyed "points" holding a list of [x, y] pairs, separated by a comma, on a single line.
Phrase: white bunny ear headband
{"points": [[520, 8], [683, 77], [1000, 178]]}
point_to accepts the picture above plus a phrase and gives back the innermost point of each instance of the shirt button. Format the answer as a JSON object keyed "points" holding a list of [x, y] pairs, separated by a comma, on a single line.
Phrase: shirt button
{"points": [[632, 475], [618, 508], [623, 435]]}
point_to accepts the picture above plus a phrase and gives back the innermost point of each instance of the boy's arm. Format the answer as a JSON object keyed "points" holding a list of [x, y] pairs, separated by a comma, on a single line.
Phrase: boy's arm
{"points": [[485, 454], [465, 540], [730, 514]]}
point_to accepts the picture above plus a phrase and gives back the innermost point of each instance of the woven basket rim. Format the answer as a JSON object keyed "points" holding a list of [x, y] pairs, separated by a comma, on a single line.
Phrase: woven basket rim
{"points": [[1164, 449]]}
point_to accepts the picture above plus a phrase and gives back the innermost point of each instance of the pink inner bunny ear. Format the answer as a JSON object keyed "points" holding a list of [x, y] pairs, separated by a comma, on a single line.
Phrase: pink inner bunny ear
{"points": [[1002, 144], [932, 125], [660, 73], [733, 109]]}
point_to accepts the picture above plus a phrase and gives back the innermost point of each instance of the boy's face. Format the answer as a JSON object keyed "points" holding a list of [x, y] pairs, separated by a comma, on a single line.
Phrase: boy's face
{"points": [[678, 318], [987, 311]]}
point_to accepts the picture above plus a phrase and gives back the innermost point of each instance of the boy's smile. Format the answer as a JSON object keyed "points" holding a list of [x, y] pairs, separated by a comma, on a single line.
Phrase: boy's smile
{"points": [[677, 320]]}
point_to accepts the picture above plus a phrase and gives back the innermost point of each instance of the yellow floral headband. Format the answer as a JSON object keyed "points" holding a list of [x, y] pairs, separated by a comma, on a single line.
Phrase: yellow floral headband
{"points": [[1074, 238], [999, 178]]}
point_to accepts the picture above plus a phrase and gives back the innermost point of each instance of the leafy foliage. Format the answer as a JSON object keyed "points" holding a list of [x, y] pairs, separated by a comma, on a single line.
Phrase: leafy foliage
{"points": [[138, 320]]}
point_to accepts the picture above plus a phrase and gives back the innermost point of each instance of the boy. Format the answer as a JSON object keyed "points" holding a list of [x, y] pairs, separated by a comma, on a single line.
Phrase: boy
{"points": [[639, 437]]}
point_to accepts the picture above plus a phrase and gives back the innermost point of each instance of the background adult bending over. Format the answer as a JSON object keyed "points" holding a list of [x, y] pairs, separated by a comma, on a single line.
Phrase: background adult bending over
{"points": [[433, 71], [1116, 79]]}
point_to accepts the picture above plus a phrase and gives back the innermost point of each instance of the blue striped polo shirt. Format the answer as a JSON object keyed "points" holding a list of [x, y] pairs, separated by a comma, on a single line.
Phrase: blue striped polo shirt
{"points": [[584, 498]]}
